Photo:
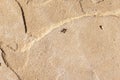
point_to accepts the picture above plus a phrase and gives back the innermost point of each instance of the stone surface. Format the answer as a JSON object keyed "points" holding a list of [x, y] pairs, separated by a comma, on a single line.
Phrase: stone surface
{"points": [[59, 40]]}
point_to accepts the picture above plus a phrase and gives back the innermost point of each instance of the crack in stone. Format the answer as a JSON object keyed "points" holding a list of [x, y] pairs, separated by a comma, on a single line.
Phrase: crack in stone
{"points": [[82, 9], [3, 55], [28, 1], [23, 16]]}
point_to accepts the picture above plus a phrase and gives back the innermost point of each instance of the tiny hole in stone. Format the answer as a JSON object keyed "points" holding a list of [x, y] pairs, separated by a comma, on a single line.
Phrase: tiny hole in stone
{"points": [[0, 64], [101, 27], [63, 30]]}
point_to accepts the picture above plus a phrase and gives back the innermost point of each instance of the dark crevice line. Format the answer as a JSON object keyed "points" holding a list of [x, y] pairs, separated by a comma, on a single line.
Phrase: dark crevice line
{"points": [[23, 16], [3, 57], [28, 1], [81, 6], [3, 54]]}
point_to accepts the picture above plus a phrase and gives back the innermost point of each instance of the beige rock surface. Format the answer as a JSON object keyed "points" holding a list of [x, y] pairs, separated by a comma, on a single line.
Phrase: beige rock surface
{"points": [[59, 39]]}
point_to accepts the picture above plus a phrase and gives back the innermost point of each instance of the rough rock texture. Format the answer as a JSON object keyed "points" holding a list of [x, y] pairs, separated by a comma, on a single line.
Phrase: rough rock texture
{"points": [[59, 39]]}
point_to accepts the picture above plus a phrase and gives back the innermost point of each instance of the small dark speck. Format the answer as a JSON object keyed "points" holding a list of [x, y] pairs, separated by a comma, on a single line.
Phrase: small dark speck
{"points": [[63, 30], [0, 64], [101, 27]]}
